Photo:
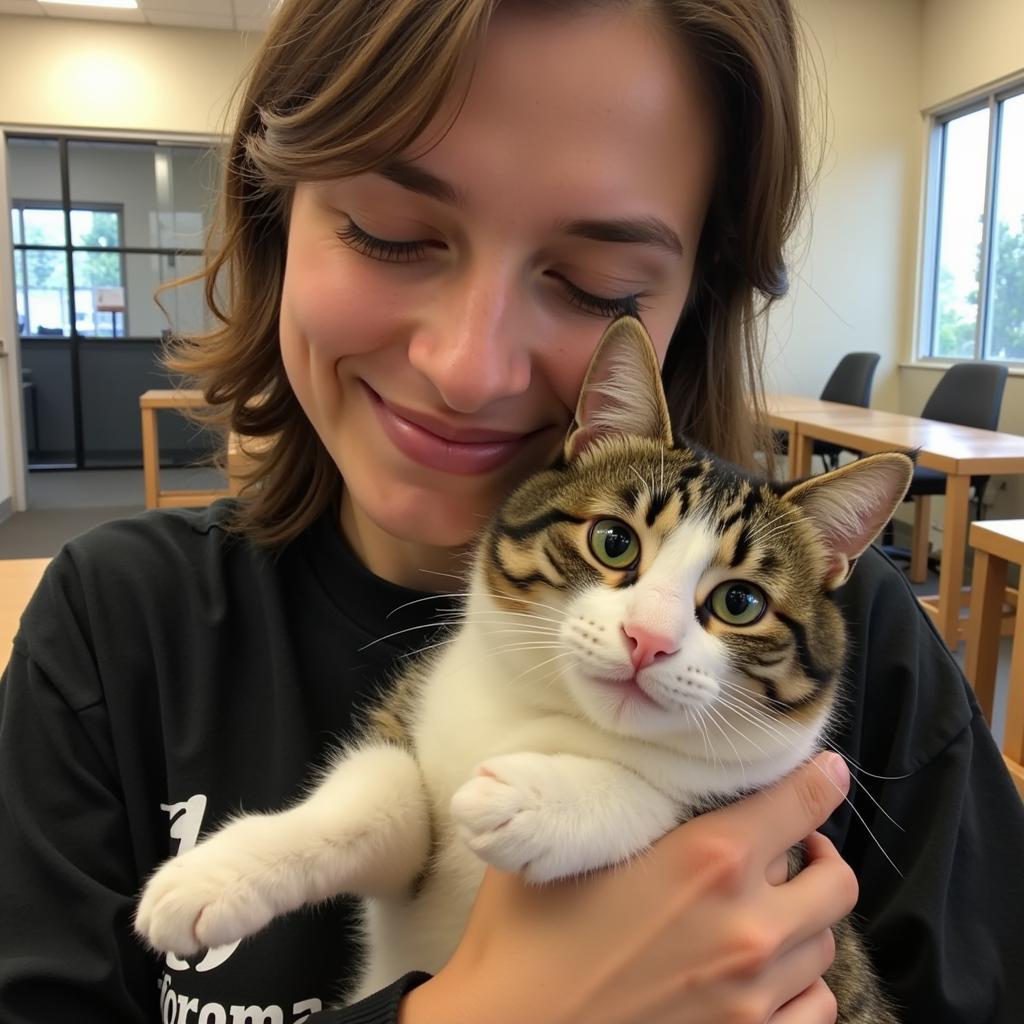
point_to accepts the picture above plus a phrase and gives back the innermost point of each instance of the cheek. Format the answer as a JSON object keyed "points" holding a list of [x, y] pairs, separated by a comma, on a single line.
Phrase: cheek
{"points": [[333, 308]]}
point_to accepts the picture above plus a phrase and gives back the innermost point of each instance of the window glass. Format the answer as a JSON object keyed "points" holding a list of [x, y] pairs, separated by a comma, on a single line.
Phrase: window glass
{"points": [[45, 293], [1005, 318], [96, 227], [43, 226], [964, 158]]}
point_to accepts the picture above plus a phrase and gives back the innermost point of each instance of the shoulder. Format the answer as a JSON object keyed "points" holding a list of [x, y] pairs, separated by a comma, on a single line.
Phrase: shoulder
{"points": [[127, 581], [906, 691], [154, 553], [162, 535]]}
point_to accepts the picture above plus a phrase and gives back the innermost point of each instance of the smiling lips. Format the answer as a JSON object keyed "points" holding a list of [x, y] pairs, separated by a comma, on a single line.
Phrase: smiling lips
{"points": [[450, 450]]}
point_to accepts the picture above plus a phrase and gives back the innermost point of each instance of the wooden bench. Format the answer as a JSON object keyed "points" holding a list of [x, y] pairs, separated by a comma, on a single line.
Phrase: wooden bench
{"points": [[181, 400], [996, 544]]}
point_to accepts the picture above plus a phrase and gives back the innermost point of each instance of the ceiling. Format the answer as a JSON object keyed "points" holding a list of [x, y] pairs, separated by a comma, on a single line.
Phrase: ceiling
{"points": [[240, 15]]}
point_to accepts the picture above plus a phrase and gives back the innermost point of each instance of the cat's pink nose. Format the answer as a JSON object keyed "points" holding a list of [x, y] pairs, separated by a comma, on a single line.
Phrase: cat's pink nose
{"points": [[646, 646]]}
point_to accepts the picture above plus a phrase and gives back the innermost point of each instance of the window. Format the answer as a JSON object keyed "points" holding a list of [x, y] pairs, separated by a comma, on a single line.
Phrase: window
{"points": [[973, 295], [41, 271]]}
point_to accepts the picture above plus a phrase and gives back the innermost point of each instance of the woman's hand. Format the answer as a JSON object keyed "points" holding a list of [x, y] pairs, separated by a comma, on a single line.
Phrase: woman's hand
{"points": [[704, 928]]}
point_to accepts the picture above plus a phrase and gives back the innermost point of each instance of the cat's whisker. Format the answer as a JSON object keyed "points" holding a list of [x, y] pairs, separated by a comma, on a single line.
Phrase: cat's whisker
{"points": [[423, 650], [451, 575], [527, 645], [411, 629], [716, 716], [697, 716], [863, 771], [765, 532], [636, 472], [740, 733], [556, 671], [525, 619], [534, 668], [523, 600], [428, 597], [860, 818], [754, 707], [747, 716], [782, 529], [739, 691], [501, 613]]}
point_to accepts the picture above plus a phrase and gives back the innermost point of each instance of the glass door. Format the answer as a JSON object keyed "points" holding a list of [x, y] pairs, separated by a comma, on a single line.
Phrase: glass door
{"points": [[97, 227]]}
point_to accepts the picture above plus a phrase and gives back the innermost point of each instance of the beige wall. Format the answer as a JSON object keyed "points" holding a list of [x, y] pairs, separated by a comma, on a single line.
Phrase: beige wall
{"points": [[93, 74], [968, 44], [855, 261]]}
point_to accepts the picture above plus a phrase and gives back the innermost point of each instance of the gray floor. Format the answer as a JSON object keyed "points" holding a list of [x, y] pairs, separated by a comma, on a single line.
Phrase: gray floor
{"points": [[65, 504]]}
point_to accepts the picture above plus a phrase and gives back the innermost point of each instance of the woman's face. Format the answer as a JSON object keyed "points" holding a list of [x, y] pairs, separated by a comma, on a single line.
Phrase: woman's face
{"points": [[437, 317]]}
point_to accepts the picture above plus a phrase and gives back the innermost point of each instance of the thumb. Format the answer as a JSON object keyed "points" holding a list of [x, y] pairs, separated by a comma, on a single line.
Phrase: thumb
{"points": [[782, 815]]}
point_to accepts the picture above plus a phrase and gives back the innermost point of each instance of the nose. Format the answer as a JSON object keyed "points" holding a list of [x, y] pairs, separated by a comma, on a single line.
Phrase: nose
{"points": [[470, 347], [646, 646]]}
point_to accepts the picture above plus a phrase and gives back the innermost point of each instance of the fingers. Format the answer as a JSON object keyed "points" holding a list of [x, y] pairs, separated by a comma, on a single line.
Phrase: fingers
{"points": [[815, 1005], [779, 817], [818, 897], [803, 966]]}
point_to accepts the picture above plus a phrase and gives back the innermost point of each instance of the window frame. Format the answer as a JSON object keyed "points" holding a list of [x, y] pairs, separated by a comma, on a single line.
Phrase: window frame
{"points": [[19, 249], [991, 99]]}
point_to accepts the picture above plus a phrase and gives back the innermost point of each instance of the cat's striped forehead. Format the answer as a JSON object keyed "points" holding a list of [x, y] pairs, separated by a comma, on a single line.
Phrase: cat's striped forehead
{"points": [[643, 483]]}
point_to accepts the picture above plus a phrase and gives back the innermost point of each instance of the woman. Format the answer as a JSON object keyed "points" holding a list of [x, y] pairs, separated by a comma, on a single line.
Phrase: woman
{"points": [[431, 209]]}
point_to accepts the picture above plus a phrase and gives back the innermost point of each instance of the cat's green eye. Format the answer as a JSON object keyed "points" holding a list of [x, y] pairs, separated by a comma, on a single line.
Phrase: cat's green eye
{"points": [[738, 603], [614, 544]]}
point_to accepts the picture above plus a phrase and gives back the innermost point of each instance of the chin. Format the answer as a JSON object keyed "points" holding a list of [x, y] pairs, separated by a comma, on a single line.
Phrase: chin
{"points": [[625, 715], [425, 519]]}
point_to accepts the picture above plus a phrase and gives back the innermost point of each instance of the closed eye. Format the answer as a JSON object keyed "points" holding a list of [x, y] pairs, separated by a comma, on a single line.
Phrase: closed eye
{"points": [[389, 251]]}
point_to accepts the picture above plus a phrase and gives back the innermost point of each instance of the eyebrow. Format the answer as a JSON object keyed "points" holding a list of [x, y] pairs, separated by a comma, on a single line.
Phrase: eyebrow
{"points": [[635, 231], [418, 179], [638, 231]]}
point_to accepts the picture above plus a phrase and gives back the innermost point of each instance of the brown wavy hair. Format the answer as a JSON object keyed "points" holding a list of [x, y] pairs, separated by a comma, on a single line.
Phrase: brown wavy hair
{"points": [[339, 87]]}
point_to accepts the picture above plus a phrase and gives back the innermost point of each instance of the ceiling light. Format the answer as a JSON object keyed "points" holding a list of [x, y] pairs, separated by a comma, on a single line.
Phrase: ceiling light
{"points": [[131, 5]]}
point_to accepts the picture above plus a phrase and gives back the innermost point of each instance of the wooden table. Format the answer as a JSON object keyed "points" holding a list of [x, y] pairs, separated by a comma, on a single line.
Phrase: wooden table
{"points": [[180, 400], [959, 452], [996, 544], [19, 578]]}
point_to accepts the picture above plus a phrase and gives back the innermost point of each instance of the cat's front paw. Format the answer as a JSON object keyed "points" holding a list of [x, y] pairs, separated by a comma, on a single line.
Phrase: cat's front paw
{"points": [[506, 815], [204, 898]]}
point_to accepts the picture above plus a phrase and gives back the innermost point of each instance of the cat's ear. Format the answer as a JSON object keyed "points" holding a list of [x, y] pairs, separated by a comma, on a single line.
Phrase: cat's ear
{"points": [[851, 505], [622, 392]]}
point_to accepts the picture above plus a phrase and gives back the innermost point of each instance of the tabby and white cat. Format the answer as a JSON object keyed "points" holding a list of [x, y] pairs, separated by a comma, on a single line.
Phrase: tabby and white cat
{"points": [[648, 632]]}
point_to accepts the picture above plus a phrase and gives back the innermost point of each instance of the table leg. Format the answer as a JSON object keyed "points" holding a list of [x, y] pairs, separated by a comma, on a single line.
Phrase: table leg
{"points": [[983, 627], [954, 547], [920, 541], [801, 451], [150, 457], [1013, 736]]}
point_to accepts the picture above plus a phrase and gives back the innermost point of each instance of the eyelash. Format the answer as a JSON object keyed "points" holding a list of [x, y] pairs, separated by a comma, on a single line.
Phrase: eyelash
{"points": [[406, 252]]}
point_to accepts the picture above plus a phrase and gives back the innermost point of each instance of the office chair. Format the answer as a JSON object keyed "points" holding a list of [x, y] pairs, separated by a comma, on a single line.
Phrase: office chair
{"points": [[969, 395], [850, 384]]}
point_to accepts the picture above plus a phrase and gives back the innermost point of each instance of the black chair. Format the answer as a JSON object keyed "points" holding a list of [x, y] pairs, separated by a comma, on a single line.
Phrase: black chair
{"points": [[850, 384], [970, 395]]}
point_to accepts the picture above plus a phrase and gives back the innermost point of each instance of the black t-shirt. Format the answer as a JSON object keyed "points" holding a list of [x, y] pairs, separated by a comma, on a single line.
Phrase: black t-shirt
{"points": [[168, 675]]}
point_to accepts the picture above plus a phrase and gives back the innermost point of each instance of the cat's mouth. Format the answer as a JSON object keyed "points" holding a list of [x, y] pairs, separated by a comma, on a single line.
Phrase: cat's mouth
{"points": [[627, 687]]}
